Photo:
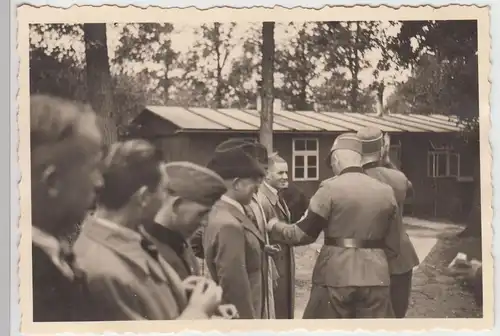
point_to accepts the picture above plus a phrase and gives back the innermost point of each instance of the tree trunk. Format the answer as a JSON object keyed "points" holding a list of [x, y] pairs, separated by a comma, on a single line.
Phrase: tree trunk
{"points": [[380, 99], [355, 67], [218, 88], [99, 85], [267, 92]]}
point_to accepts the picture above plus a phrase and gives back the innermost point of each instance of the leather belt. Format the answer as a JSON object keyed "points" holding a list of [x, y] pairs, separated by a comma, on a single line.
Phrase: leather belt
{"points": [[355, 243]]}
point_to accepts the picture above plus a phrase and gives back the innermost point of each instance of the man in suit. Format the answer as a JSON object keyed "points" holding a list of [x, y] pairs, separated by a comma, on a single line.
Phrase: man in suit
{"points": [[127, 278], [274, 206], [256, 214], [375, 155], [190, 193], [65, 153], [233, 244], [358, 215]]}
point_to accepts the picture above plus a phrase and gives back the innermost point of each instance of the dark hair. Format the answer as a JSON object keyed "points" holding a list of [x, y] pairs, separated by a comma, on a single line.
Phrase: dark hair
{"points": [[128, 166]]}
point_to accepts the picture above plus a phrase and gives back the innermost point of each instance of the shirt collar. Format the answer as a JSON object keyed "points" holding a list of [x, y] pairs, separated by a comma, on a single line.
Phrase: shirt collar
{"points": [[49, 244], [52, 247], [133, 235], [271, 188], [233, 203]]}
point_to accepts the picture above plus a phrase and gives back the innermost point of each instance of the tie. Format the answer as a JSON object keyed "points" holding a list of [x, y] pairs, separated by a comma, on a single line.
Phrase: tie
{"points": [[284, 206]]}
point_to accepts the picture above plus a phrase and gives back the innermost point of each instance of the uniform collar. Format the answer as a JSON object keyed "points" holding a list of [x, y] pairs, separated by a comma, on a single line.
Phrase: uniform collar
{"points": [[370, 165], [352, 170]]}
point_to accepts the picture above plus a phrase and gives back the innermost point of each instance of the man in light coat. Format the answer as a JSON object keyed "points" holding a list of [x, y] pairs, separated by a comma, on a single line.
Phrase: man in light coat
{"points": [[126, 276], [274, 206]]}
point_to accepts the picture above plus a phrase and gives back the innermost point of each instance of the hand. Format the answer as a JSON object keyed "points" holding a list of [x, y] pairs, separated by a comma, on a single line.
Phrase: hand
{"points": [[205, 297], [271, 223], [228, 311], [272, 249]]}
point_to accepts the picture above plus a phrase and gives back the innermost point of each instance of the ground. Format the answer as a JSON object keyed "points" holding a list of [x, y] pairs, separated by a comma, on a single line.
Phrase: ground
{"points": [[434, 295]]}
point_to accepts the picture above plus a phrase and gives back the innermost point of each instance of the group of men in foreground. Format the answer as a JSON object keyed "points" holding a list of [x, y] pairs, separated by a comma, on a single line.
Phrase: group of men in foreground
{"points": [[134, 256]]}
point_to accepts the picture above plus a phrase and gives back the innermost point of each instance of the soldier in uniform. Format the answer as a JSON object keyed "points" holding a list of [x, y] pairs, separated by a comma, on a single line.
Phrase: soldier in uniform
{"points": [[401, 268], [126, 276], [190, 193], [233, 244], [359, 217], [274, 205]]}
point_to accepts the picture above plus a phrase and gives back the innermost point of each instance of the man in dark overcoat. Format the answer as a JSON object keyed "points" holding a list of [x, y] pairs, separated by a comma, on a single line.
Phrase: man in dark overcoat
{"points": [[65, 154], [401, 268], [233, 244], [127, 277], [274, 206], [359, 217], [190, 192]]}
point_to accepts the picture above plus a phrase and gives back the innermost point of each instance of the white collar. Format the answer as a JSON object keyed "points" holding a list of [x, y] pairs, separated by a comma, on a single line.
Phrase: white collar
{"points": [[52, 247], [117, 227], [273, 190], [233, 203]]}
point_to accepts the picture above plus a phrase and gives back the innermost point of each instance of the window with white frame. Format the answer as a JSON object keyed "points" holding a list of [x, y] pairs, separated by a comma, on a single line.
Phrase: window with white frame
{"points": [[305, 162], [443, 163]]}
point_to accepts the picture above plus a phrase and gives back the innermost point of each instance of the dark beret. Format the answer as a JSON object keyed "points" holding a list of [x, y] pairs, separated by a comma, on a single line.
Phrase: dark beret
{"points": [[236, 160], [254, 149], [194, 182]]}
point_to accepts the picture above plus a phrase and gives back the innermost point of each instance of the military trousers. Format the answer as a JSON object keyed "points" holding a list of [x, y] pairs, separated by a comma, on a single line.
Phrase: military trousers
{"points": [[400, 293], [348, 302]]}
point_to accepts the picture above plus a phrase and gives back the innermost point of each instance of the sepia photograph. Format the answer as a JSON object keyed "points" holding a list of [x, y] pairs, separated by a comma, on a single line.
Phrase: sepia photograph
{"points": [[301, 165]]}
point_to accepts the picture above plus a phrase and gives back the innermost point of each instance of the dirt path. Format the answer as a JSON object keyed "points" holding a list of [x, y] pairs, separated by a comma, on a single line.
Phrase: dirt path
{"points": [[434, 295]]}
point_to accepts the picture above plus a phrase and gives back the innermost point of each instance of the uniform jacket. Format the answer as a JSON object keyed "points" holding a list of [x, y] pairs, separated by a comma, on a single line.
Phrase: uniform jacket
{"points": [[234, 254], [408, 257], [124, 281], [351, 205], [174, 249], [284, 260]]}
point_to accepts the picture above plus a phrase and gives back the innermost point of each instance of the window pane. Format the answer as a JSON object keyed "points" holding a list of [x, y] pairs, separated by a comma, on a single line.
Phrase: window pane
{"points": [[311, 160], [311, 145], [442, 162], [299, 161], [300, 145], [299, 172], [311, 172], [454, 165]]}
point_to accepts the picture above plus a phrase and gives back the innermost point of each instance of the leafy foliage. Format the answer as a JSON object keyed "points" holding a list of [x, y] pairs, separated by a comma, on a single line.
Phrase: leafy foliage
{"points": [[443, 55], [149, 43]]}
